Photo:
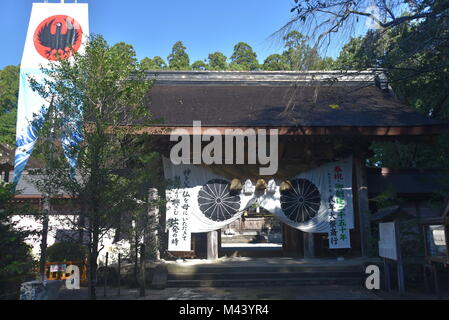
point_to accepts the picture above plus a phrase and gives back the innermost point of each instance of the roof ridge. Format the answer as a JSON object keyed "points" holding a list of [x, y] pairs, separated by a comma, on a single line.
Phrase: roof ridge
{"points": [[259, 77]]}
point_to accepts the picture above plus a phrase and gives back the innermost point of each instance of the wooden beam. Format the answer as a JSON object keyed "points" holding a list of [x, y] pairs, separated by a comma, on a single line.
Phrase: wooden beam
{"points": [[289, 130]]}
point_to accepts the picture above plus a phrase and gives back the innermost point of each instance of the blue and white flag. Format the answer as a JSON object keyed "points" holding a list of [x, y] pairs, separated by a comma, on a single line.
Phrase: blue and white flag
{"points": [[55, 31]]}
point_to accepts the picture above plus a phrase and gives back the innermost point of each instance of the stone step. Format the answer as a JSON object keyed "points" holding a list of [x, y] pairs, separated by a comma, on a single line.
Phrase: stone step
{"points": [[242, 238], [174, 269], [264, 275], [255, 282]]}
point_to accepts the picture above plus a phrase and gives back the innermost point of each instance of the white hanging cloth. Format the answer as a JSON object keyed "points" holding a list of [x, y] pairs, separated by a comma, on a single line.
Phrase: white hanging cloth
{"points": [[198, 200]]}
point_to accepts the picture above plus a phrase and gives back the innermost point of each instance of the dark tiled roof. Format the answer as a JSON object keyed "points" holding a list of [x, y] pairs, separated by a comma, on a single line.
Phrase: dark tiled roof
{"points": [[26, 186], [278, 99], [6, 155]]}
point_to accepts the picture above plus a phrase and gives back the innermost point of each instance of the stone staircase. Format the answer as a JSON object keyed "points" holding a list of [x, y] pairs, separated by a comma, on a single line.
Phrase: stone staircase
{"points": [[254, 275], [239, 238]]}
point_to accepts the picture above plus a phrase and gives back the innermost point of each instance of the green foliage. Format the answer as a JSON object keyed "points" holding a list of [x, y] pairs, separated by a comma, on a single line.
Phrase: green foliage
{"points": [[217, 61], [157, 63], [108, 88], [326, 63], [16, 258], [414, 56], [411, 239], [397, 155], [178, 58], [199, 65], [5, 196], [411, 43], [298, 54], [243, 58], [385, 199], [66, 251], [357, 55], [9, 90], [8, 127], [275, 62], [295, 52]]}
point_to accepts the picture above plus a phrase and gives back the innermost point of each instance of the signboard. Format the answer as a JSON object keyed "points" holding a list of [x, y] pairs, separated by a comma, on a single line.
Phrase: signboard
{"points": [[436, 240], [57, 267], [55, 31], [387, 242]]}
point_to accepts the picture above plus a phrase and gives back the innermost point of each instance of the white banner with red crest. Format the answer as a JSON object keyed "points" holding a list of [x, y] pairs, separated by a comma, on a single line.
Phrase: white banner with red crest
{"points": [[55, 31]]}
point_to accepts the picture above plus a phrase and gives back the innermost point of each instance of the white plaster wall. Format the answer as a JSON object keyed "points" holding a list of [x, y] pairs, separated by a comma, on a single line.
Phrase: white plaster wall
{"points": [[55, 222]]}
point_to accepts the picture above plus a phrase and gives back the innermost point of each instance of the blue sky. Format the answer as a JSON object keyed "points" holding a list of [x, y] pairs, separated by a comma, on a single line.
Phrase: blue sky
{"points": [[153, 26]]}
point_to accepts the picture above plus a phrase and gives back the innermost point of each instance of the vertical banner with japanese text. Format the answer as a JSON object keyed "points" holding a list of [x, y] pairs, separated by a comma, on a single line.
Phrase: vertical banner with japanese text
{"points": [[340, 206], [179, 236], [197, 201]]}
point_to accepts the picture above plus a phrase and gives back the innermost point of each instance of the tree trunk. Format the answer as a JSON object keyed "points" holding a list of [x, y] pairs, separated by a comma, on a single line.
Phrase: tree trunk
{"points": [[81, 229], [93, 265], [142, 270], [153, 236], [43, 258]]}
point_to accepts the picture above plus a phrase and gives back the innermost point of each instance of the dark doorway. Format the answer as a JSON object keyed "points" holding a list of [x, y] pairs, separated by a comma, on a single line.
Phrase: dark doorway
{"points": [[257, 233]]}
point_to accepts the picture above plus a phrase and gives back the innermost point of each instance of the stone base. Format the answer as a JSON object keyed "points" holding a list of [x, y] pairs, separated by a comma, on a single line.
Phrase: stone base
{"points": [[40, 290]]}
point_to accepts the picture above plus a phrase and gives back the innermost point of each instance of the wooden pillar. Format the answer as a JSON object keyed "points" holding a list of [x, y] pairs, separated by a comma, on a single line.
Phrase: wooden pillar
{"points": [[292, 241], [309, 245], [219, 243], [361, 205], [212, 245], [199, 245], [400, 264]]}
